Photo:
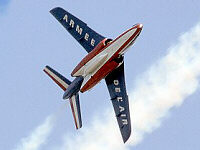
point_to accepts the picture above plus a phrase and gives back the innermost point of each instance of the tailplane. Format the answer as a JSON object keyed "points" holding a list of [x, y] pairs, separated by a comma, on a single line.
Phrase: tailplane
{"points": [[57, 78], [71, 90], [75, 106]]}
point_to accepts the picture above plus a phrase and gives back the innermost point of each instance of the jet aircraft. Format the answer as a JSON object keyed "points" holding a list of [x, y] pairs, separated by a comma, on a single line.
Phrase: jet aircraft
{"points": [[105, 60]]}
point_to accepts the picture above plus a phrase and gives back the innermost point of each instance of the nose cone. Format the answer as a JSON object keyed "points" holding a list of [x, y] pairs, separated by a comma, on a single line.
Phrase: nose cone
{"points": [[139, 26]]}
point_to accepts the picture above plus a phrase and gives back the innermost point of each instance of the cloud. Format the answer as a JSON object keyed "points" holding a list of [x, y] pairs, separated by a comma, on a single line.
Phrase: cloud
{"points": [[166, 84], [38, 137]]}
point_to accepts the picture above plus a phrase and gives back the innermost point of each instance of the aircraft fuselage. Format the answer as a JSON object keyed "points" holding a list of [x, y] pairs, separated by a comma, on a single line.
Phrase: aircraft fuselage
{"points": [[101, 61], [105, 60]]}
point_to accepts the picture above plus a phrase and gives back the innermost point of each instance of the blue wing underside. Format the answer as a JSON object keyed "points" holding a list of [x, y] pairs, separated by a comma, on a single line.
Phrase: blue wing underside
{"points": [[86, 37], [116, 86]]}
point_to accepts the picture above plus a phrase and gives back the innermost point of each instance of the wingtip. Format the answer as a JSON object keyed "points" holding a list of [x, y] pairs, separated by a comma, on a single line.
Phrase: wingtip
{"points": [[45, 68], [125, 140], [126, 136], [54, 9], [79, 127]]}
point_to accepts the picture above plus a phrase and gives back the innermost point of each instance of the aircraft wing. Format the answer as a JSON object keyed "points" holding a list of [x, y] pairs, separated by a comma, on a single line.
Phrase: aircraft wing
{"points": [[87, 37], [116, 86]]}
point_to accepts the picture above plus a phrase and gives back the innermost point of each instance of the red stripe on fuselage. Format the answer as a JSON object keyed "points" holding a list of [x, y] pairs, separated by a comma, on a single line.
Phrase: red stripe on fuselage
{"points": [[110, 65], [99, 48], [101, 73], [124, 46]]}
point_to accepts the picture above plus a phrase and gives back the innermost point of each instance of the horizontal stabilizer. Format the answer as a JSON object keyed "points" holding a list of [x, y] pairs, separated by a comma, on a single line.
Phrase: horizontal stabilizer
{"points": [[76, 111], [57, 77]]}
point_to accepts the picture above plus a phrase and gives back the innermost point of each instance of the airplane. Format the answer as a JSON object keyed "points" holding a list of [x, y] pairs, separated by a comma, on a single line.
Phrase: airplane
{"points": [[105, 60]]}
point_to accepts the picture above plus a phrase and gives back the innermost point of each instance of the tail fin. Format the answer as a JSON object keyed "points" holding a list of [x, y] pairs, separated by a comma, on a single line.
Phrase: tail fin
{"points": [[57, 77], [76, 111], [74, 100]]}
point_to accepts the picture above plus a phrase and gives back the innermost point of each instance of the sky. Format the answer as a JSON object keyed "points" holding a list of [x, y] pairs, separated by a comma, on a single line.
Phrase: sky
{"points": [[3, 5], [162, 76], [4, 2]]}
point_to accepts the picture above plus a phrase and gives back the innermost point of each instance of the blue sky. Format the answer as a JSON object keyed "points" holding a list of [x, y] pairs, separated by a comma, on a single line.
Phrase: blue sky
{"points": [[4, 2], [31, 38], [4, 5]]}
